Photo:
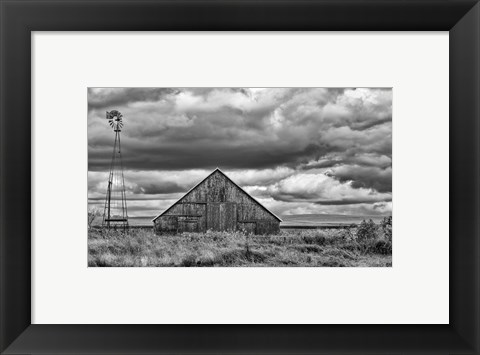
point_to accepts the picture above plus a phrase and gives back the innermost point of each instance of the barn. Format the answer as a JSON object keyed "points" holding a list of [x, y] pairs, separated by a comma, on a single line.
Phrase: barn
{"points": [[219, 204]]}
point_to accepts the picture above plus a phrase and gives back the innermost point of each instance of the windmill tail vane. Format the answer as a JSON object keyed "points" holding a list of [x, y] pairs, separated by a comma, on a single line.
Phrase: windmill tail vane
{"points": [[115, 213]]}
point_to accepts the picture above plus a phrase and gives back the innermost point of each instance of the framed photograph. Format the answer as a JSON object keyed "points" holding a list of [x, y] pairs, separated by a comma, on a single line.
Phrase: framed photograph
{"points": [[239, 177]]}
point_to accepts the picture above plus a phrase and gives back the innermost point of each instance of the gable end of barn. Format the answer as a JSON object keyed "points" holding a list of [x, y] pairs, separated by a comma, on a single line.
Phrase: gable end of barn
{"points": [[217, 203]]}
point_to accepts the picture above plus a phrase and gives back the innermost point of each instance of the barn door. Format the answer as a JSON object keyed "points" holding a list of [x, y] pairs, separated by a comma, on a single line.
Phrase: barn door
{"points": [[187, 224], [196, 210], [222, 216]]}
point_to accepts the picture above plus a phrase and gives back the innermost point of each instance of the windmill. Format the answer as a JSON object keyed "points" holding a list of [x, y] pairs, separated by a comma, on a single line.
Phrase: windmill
{"points": [[115, 214]]}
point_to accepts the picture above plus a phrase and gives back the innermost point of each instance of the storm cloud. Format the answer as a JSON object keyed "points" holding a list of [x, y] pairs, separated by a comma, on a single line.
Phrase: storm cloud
{"points": [[293, 148]]}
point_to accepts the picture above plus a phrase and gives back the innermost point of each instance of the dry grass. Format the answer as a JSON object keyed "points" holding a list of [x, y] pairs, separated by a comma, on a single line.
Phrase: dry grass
{"points": [[329, 247]]}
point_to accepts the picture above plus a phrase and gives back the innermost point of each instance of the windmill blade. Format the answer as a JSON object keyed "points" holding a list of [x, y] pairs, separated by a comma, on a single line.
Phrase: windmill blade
{"points": [[115, 119]]}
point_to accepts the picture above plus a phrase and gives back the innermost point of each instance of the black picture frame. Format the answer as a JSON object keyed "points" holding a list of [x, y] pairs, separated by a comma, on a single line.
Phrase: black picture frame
{"points": [[19, 17]]}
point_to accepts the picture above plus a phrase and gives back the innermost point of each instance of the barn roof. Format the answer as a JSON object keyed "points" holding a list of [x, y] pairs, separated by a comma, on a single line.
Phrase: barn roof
{"points": [[233, 182]]}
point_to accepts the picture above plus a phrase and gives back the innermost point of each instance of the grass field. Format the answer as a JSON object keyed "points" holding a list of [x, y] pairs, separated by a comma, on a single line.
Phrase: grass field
{"points": [[350, 247]]}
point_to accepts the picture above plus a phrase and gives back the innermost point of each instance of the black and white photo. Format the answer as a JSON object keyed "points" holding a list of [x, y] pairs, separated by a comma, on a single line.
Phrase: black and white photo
{"points": [[239, 177]]}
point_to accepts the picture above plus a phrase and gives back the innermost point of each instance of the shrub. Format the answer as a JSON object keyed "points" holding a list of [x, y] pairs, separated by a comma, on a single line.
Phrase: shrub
{"points": [[92, 214], [255, 257], [316, 237], [386, 225], [333, 262], [348, 232], [382, 247], [376, 246], [189, 260], [308, 248], [340, 253], [239, 256], [366, 231]]}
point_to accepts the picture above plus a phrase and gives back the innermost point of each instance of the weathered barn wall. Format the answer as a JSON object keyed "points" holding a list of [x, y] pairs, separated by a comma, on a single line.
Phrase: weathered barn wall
{"points": [[220, 205]]}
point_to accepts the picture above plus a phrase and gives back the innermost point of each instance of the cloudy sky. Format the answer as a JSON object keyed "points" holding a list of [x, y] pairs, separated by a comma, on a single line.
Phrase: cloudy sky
{"points": [[297, 150]]}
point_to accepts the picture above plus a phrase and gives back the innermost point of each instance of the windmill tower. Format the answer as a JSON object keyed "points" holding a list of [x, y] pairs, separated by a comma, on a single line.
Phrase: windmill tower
{"points": [[115, 214]]}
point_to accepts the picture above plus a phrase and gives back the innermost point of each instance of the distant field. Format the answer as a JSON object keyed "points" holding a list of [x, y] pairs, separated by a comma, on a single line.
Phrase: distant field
{"points": [[320, 248], [324, 220], [301, 220]]}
